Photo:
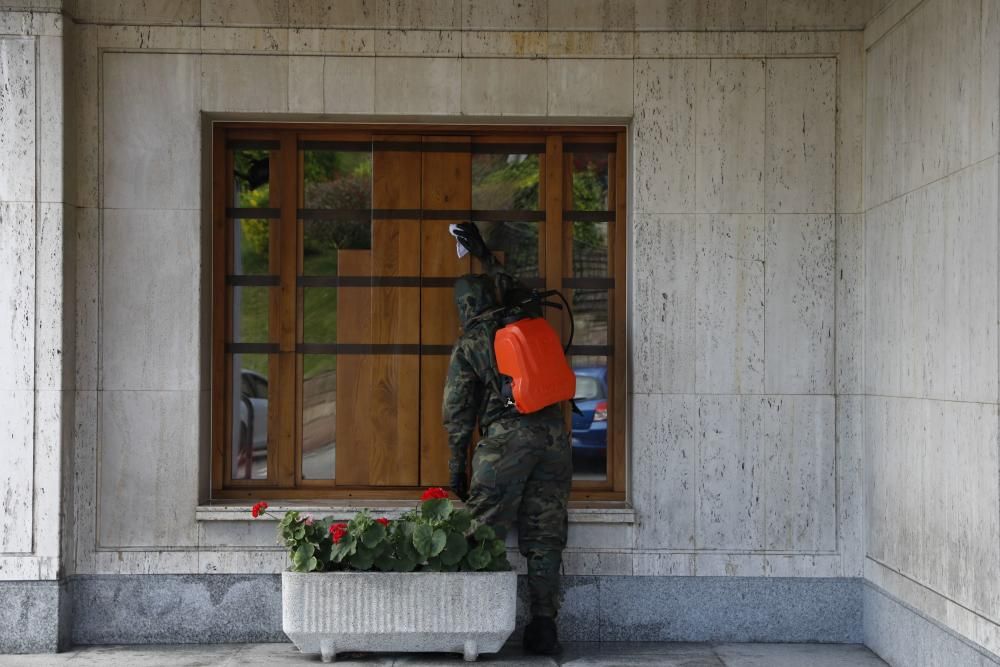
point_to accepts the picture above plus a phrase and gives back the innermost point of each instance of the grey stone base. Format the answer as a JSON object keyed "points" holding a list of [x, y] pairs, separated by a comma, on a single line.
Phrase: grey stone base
{"points": [[901, 635], [139, 609], [33, 616], [176, 609]]}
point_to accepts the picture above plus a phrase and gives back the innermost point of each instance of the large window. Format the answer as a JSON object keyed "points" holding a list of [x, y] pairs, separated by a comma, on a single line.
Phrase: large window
{"points": [[333, 317]]}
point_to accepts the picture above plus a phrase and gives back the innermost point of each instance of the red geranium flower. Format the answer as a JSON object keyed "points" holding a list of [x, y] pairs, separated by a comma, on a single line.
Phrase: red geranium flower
{"points": [[337, 531], [383, 521], [258, 509], [433, 493]]}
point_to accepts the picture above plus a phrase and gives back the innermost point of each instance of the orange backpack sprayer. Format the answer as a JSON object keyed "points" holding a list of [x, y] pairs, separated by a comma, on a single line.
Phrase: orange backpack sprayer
{"points": [[532, 362]]}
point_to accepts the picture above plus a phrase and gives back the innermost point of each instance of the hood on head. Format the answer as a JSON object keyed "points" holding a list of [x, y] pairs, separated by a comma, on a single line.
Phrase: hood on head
{"points": [[474, 295]]}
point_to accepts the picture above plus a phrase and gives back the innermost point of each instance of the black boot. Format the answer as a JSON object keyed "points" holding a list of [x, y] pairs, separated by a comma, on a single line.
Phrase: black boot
{"points": [[541, 637]]}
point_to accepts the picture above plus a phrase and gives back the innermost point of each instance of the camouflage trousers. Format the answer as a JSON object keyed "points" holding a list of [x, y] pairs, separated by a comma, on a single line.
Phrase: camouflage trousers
{"points": [[521, 471]]}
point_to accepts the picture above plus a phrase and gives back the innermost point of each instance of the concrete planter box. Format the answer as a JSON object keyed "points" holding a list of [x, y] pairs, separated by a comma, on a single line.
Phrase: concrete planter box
{"points": [[454, 612]]}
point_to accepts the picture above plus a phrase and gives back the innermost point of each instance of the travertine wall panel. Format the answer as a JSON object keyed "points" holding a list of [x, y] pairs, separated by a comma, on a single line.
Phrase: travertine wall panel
{"points": [[243, 83], [665, 135], [730, 130], [17, 119], [599, 88], [924, 92], [418, 86], [17, 257], [349, 85], [663, 332], [425, 14], [817, 14], [850, 304], [505, 14], [492, 87], [801, 135], [16, 471], [799, 304], [150, 295], [729, 296], [150, 125], [331, 13], [147, 458], [244, 12], [305, 84], [148, 12], [932, 495], [931, 276], [700, 14], [770, 456], [610, 15]]}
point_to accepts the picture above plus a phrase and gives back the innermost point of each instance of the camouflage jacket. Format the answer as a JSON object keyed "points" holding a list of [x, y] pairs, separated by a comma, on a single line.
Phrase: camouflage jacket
{"points": [[472, 390]]}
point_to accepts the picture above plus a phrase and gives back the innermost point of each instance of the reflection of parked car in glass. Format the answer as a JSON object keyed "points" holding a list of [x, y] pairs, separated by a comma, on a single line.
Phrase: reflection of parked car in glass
{"points": [[251, 461], [590, 428]]}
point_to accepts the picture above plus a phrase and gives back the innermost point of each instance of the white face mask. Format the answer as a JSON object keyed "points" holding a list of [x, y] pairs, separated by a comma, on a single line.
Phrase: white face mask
{"points": [[459, 248]]}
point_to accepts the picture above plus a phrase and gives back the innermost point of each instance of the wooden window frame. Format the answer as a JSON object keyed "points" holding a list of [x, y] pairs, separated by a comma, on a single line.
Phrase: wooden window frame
{"points": [[283, 482]]}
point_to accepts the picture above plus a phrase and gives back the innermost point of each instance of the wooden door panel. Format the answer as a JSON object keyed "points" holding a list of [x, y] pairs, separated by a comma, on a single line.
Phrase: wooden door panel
{"points": [[447, 186]]}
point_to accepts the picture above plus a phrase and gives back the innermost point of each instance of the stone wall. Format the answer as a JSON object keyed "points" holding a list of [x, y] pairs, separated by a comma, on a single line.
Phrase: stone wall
{"points": [[745, 232], [930, 411]]}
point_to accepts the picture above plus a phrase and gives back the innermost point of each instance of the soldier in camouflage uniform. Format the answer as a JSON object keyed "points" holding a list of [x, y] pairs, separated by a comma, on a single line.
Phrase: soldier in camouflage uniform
{"points": [[522, 465]]}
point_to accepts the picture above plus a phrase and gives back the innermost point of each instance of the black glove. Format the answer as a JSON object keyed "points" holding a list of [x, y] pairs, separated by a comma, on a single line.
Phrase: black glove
{"points": [[469, 236], [460, 486]]}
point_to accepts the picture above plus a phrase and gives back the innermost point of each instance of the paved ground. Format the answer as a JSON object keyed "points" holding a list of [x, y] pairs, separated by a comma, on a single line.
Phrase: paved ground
{"points": [[577, 654]]}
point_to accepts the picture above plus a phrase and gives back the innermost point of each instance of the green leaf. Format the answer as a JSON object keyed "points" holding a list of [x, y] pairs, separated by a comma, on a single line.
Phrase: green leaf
{"points": [[311, 565], [362, 559], [455, 549], [374, 534], [498, 547], [438, 541], [437, 509], [461, 520], [422, 540], [484, 533], [405, 564], [478, 558], [305, 550]]}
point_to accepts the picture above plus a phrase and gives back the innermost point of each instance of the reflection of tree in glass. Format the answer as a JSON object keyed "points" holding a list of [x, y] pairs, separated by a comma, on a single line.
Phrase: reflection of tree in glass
{"points": [[503, 182], [337, 180], [518, 241], [590, 181]]}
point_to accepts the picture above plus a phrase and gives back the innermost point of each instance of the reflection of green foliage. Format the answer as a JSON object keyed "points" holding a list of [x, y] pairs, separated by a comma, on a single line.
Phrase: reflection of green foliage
{"points": [[505, 182], [254, 245], [254, 362], [252, 313], [337, 180], [245, 197], [590, 234], [590, 184]]}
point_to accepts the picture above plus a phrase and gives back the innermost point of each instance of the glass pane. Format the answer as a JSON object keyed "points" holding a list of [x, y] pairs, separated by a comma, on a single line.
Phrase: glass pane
{"points": [[319, 321], [252, 174], [250, 392], [252, 241], [505, 182], [323, 239], [250, 314], [520, 243], [319, 416], [590, 317], [590, 181], [590, 429], [590, 249], [337, 179]]}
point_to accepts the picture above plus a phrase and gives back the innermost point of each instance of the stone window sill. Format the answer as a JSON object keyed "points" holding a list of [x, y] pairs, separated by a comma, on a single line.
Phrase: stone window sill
{"points": [[578, 512]]}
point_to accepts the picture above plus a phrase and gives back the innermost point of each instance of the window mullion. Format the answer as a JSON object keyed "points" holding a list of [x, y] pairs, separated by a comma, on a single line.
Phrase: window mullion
{"points": [[284, 454]]}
